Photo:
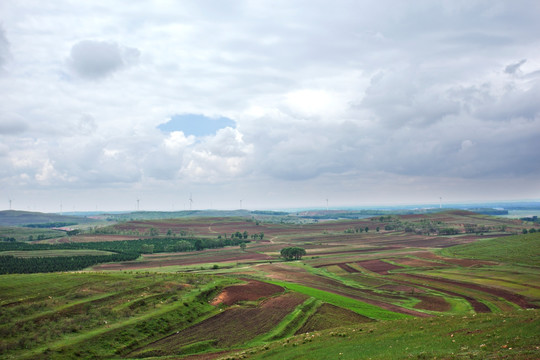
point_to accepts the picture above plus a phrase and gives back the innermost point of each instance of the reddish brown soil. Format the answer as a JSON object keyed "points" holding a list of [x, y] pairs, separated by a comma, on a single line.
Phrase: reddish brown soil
{"points": [[378, 266], [356, 250], [517, 299], [433, 303], [417, 263], [348, 268], [329, 316], [233, 326], [253, 290]]}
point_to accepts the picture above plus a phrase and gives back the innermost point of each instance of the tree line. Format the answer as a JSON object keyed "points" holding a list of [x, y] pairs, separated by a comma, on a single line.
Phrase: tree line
{"points": [[123, 251], [14, 265]]}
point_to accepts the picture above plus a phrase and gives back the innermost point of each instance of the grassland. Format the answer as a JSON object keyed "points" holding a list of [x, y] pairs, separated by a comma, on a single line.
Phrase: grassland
{"points": [[402, 291], [485, 336], [14, 233], [521, 249]]}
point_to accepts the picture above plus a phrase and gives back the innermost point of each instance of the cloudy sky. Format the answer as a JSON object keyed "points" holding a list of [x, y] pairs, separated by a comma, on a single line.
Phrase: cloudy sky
{"points": [[277, 104]]}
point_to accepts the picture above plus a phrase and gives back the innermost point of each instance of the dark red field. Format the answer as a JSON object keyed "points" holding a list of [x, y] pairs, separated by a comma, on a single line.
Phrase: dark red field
{"points": [[253, 290]]}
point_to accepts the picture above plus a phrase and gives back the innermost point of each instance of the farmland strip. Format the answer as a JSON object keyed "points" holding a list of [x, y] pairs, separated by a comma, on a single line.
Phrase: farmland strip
{"points": [[512, 297], [477, 306]]}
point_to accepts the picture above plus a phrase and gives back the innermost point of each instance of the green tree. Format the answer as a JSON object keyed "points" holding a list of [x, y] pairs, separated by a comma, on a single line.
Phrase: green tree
{"points": [[147, 248], [292, 253], [366, 229], [243, 246], [183, 245]]}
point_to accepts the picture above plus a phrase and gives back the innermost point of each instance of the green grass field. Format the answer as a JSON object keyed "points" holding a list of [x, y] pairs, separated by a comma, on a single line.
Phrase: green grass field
{"points": [[521, 249], [485, 336]]}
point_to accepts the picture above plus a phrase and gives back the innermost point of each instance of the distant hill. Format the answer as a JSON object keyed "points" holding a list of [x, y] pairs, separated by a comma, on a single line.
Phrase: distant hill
{"points": [[22, 218]]}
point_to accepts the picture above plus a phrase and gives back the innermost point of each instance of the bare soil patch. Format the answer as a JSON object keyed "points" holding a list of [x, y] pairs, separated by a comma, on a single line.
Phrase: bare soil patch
{"points": [[355, 250], [378, 266], [329, 316], [418, 263], [253, 290], [348, 268], [433, 303]]}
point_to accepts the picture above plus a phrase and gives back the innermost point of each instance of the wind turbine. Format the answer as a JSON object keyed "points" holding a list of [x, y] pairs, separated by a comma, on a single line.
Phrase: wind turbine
{"points": [[190, 200], [138, 204], [9, 204], [326, 204], [440, 202]]}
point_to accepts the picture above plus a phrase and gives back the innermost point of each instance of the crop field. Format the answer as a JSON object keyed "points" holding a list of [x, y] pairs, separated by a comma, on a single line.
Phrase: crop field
{"points": [[449, 285]]}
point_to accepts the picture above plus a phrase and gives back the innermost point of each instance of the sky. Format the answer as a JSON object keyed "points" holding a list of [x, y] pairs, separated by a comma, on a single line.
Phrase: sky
{"points": [[267, 104]]}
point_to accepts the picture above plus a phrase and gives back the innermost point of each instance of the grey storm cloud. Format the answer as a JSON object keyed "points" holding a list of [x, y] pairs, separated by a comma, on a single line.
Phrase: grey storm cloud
{"points": [[97, 59], [512, 68]]}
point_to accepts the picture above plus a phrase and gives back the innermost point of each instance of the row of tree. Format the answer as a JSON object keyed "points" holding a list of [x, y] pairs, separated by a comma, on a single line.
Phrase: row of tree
{"points": [[123, 251], [15, 265]]}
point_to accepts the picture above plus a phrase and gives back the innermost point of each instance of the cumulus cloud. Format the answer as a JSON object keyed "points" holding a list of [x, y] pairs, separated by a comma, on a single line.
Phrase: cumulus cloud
{"points": [[97, 59], [218, 158]]}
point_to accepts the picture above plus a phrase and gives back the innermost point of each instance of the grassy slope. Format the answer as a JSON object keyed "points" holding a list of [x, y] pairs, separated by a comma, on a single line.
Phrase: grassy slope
{"points": [[17, 218], [518, 249], [89, 315], [511, 336], [24, 233]]}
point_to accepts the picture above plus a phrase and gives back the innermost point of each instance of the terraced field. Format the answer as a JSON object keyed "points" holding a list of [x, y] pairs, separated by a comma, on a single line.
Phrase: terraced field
{"points": [[398, 293]]}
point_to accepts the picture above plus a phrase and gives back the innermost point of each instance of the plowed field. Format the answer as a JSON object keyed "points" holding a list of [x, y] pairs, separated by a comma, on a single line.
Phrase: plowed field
{"points": [[253, 290], [231, 327]]}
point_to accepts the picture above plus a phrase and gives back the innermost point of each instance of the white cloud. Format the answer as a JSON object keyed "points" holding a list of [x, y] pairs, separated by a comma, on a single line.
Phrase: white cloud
{"points": [[4, 48], [376, 95]]}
